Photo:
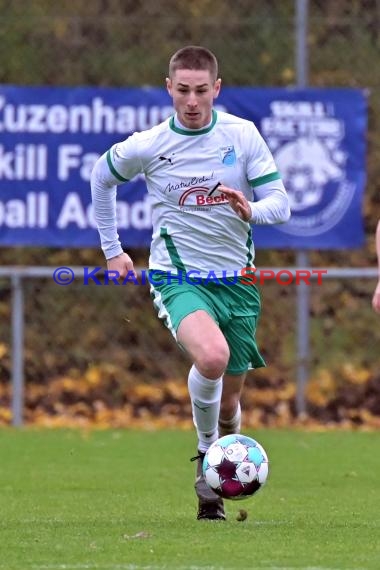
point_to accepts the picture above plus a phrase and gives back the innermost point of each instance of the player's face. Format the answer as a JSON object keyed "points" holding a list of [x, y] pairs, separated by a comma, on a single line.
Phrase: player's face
{"points": [[193, 92]]}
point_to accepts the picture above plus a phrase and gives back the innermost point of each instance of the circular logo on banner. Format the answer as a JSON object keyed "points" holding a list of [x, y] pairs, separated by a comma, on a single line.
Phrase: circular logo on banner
{"points": [[311, 162]]}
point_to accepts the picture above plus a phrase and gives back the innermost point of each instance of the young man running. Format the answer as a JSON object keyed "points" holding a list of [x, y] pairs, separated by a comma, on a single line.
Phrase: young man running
{"points": [[210, 176]]}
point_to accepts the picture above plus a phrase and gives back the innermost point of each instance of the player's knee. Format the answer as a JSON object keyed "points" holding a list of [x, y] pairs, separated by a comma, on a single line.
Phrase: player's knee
{"points": [[212, 363]]}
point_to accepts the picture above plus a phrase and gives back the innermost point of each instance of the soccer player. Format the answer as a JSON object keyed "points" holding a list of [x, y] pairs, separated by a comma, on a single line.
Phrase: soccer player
{"points": [[376, 295], [210, 176]]}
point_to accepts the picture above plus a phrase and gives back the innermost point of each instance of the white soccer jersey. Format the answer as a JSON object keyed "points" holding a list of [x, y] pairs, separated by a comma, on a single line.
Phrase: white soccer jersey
{"points": [[194, 227]]}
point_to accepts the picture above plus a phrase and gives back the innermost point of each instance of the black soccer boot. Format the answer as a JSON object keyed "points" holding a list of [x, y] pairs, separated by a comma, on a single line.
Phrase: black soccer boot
{"points": [[210, 505]]}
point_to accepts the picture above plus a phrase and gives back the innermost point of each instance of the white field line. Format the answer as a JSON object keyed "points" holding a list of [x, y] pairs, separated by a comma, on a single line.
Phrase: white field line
{"points": [[91, 566]]}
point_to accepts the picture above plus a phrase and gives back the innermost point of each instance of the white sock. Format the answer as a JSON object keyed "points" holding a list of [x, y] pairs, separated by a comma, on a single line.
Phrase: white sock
{"points": [[231, 426], [205, 395]]}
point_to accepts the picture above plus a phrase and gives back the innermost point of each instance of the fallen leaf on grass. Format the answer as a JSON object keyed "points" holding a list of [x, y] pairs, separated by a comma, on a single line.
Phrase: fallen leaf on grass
{"points": [[242, 515]]}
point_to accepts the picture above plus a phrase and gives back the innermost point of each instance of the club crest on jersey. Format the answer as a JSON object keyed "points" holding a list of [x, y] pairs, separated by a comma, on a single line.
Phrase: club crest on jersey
{"points": [[228, 155]]}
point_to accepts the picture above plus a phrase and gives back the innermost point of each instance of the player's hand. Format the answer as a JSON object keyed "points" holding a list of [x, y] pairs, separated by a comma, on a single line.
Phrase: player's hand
{"points": [[123, 264], [238, 202], [376, 298]]}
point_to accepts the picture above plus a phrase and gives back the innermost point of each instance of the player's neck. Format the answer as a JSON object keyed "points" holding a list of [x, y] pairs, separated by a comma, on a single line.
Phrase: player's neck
{"points": [[179, 125]]}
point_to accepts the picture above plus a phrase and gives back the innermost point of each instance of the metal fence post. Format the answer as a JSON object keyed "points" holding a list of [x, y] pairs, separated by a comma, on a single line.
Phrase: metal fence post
{"points": [[302, 55], [303, 336], [302, 257], [17, 350]]}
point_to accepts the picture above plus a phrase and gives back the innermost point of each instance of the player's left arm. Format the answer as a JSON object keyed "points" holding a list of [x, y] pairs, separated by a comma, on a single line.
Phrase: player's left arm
{"points": [[237, 201], [271, 203], [271, 207]]}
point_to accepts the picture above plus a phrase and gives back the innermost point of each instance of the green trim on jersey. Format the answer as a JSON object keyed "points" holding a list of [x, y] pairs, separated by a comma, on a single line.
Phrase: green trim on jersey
{"points": [[113, 170], [264, 179], [196, 132], [249, 244], [172, 250]]}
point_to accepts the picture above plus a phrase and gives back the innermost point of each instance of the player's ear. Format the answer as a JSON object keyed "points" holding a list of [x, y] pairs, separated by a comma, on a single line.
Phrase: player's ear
{"points": [[169, 85], [217, 86]]}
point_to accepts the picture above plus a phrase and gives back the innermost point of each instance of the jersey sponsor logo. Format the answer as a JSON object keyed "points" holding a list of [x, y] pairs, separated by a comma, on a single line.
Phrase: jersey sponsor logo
{"points": [[190, 183], [228, 155], [198, 196]]}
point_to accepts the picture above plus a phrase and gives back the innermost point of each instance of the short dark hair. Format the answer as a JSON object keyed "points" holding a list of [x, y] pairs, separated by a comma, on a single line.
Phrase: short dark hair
{"points": [[194, 57]]}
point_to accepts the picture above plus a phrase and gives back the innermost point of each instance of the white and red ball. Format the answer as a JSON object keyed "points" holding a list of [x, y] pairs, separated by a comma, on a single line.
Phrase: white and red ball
{"points": [[235, 466]]}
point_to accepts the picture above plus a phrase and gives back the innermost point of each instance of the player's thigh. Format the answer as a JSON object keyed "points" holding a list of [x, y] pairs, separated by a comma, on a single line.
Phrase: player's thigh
{"points": [[201, 337], [189, 313]]}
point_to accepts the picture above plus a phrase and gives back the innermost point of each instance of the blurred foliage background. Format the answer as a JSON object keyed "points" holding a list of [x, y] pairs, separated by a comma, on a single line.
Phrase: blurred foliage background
{"points": [[100, 354]]}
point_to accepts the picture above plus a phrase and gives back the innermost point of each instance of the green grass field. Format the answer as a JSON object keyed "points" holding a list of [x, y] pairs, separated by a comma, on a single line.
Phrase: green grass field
{"points": [[123, 500]]}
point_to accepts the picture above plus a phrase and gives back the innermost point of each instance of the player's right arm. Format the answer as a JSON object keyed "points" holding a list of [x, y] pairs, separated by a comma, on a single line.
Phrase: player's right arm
{"points": [[122, 265], [115, 167]]}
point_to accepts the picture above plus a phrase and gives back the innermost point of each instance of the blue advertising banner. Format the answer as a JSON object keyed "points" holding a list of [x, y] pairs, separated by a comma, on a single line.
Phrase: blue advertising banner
{"points": [[50, 138]]}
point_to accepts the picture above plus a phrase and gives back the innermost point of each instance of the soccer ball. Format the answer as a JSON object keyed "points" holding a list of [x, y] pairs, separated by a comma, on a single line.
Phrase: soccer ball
{"points": [[235, 466]]}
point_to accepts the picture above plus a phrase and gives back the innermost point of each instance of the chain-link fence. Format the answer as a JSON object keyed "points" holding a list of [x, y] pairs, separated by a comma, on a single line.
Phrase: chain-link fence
{"points": [[97, 353], [102, 342], [128, 43], [123, 42]]}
